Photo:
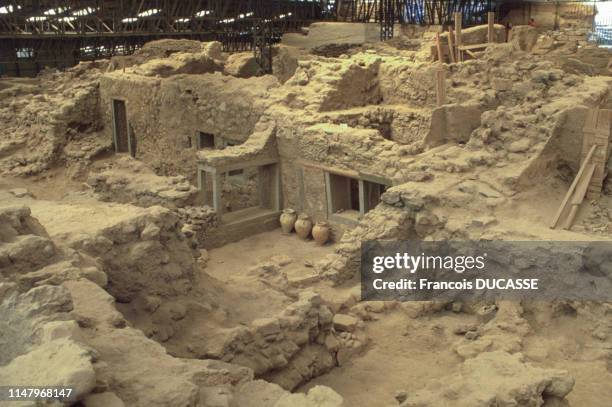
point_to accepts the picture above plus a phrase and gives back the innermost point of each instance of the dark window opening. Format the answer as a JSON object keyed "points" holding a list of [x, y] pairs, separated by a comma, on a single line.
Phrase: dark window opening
{"points": [[354, 191], [205, 140], [120, 125], [372, 193], [344, 193]]}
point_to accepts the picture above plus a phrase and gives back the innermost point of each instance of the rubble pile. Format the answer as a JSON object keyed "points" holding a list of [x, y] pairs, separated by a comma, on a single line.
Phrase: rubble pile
{"points": [[131, 181], [56, 124]]}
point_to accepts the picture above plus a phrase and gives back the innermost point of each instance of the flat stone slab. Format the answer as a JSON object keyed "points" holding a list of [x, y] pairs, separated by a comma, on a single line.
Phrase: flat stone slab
{"points": [[346, 323]]}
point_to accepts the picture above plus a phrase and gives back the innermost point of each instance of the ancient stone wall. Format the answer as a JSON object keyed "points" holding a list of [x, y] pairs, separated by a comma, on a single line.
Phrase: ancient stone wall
{"points": [[524, 135], [565, 40], [145, 255], [167, 114], [550, 16]]}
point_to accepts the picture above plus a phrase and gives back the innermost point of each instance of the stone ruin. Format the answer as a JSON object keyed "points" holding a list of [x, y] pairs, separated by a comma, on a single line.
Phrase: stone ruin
{"points": [[140, 256]]}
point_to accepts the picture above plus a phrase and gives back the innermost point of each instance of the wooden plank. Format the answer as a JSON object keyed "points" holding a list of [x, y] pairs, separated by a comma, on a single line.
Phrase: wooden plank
{"points": [[572, 187], [591, 120], [375, 178], [326, 168], [582, 186], [458, 39], [579, 195], [570, 217], [451, 46], [329, 201], [439, 46], [470, 53], [587, 136], [491, 27], [362, 201], [258, 162], [603, 119], [597, 132], [217, 191], [473, 46]]}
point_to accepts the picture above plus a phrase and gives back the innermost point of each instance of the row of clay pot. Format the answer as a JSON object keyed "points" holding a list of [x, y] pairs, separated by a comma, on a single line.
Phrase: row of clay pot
{"points": [[303, 226]]}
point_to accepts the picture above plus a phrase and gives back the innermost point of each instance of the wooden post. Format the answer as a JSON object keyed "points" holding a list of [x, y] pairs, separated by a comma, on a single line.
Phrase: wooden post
{"points": [[491, 27], [217, 190], [458, 39], [572, 187], [579, 194], [451, 46], [439, 46], [362, 198], [440, 87]]}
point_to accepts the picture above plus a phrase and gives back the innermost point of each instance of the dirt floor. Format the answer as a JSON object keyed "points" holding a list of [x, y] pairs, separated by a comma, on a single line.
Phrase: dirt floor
{"points": [[231, 263], [570, 343], [404, 355]]}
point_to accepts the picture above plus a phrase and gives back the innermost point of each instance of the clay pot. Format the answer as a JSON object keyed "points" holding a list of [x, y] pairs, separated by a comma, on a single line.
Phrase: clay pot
{"points": [[320, 233], [303, 226], [287, 220]]}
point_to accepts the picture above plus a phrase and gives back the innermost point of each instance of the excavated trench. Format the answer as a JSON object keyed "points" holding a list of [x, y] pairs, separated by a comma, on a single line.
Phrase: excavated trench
{"points": [[247, 305]]}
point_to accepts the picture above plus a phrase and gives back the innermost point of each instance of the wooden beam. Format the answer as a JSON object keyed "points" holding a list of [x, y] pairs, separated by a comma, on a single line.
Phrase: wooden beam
{"points": [[362, 201], [217, 191], [572, 187], [491, 27], [473, 46], [439, 46], [451, 46], [579, 195], [583, 185], [330, 169], [458, 39]]}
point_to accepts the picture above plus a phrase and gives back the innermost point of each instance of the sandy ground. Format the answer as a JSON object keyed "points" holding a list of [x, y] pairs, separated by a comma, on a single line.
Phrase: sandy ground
{"points": [[404, 354], [248, 296], [242, 255], [567, 343], [74, 214]]}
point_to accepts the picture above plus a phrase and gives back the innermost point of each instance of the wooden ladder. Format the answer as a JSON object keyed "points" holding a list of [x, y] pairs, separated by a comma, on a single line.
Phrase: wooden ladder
{"points": [[589, 179]]}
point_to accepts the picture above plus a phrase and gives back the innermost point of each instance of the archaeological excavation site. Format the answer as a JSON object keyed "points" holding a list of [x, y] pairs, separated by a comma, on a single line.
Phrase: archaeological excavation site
{"points": [[305, 203]]}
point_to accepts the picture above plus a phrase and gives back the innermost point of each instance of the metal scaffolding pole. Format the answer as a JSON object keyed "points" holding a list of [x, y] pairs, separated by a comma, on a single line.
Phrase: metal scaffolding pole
{"points": [[46, 32], [262, 46], [386, 19]]}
